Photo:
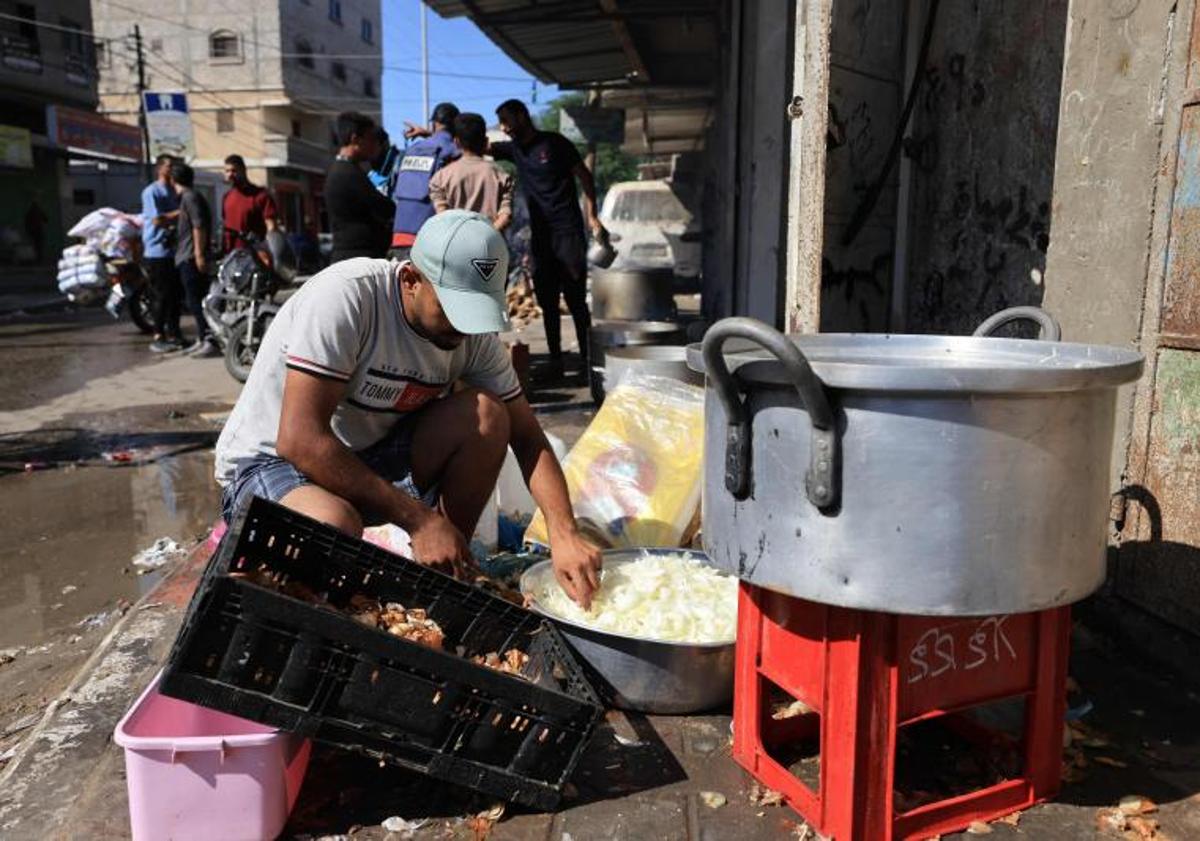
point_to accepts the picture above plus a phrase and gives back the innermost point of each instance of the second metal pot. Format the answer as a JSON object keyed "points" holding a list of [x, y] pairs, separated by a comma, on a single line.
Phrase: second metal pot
{"points": [[635, 294], [607, 335]]}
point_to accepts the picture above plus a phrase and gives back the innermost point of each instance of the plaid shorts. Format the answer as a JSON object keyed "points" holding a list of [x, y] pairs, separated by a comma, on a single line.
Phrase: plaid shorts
{"points": [[273, 478]]}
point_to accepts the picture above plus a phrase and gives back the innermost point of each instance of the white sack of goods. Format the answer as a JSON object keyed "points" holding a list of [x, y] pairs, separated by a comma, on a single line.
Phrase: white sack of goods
{"points": [[672, 598], [635, 473]]}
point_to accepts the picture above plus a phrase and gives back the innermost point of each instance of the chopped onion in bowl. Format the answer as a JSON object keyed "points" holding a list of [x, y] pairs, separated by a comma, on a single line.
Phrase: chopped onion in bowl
{"points": [[674, 598]]}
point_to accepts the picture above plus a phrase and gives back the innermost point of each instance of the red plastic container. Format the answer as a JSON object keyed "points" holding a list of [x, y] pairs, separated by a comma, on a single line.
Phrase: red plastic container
{"points": [[862, 676]]}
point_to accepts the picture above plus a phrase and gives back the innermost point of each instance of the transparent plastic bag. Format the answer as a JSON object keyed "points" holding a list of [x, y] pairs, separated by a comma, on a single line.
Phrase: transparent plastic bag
{"points": [[635, 473]]}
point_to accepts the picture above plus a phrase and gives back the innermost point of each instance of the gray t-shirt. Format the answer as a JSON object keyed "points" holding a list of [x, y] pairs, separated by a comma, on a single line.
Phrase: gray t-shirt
{"points": [[193, 213], [347, 324]]}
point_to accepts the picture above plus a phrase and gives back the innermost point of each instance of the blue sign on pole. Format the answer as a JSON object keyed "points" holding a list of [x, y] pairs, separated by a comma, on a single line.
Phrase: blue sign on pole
{"points": [[169, 124]]}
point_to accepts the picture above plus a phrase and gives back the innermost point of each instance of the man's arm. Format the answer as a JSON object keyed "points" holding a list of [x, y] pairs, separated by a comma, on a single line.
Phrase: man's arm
{"points": [[576, 561], [200, 247], [504, 213], [306, 440], [588, 185], [269, 212], [437, 193]]}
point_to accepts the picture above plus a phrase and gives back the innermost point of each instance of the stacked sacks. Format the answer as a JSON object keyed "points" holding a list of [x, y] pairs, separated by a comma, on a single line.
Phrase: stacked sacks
{"points": [[80, 271]]}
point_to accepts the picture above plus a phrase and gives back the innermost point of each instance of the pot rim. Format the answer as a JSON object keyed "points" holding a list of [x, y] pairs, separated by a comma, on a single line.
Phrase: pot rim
{"points": [[619, 556], [900, 362]]}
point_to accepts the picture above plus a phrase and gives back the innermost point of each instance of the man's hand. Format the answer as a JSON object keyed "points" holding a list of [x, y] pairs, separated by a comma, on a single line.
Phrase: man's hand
{"points": [[412, 131], [599, 232], [576, 563], [438, 544], [201, 263]]}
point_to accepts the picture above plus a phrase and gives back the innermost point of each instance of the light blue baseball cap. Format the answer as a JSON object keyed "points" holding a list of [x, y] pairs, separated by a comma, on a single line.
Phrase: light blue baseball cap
{"points": [[466, 260]]}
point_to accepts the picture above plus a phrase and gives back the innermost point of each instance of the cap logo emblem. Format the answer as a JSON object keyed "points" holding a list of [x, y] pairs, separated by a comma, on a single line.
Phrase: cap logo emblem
{"points": [[485, 266]]}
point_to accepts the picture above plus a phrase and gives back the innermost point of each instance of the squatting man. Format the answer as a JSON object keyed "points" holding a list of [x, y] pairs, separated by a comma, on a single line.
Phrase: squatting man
{"points": [[351, 416]]}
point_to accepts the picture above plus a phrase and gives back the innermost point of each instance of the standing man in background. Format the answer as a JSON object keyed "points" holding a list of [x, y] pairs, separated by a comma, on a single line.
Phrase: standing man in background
{"points": [[360, 217], [547, 166], [191, 254], [246, 208], [433, 150], [472, 183], [160, 207]]}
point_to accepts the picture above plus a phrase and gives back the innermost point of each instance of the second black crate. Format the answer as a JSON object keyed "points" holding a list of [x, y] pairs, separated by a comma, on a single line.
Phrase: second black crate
{"points": [[309, 669]]}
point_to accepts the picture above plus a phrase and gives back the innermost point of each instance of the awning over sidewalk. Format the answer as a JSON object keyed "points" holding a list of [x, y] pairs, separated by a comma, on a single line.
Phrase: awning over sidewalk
{"points": [[656, 60], [580, 43]]}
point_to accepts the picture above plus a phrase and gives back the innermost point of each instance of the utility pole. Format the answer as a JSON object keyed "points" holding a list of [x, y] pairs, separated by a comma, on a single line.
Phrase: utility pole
{"points": [[424, 60], [141, 98]]}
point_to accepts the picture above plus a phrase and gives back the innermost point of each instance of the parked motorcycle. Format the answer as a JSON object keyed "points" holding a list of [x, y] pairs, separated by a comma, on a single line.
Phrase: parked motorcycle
{"points": [[240, 303]]}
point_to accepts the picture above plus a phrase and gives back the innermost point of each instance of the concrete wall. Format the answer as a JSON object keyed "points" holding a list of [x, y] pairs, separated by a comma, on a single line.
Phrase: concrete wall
{"points": [[1108, 155], [866, 54], [982, 144]]}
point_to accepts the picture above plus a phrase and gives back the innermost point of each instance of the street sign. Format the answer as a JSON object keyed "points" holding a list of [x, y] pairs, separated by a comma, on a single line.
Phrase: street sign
{"points": [[169, 125], [581, 124]]}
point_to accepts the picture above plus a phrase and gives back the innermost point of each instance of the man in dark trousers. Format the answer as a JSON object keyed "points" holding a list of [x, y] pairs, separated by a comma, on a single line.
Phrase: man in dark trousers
{"points": [[160, 207], [547, 166], [360, 217], [247, 208], [433, 149], [191, 253]]}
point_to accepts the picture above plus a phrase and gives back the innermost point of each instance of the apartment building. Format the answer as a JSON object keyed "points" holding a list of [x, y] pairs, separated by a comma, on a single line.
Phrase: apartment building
{"points": [[263, 80], [47, 89]]}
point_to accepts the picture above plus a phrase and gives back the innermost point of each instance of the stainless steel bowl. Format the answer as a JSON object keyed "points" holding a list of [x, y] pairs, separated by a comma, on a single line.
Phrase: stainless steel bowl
{"points": [[649, 675]]}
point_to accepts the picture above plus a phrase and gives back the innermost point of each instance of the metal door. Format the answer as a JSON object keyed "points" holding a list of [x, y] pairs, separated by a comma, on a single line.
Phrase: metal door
{"points": [[1158, 567]]}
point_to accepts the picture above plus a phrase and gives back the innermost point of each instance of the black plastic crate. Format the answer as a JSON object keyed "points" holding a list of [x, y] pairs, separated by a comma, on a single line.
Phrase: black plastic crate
{"points": [[262, 655]]}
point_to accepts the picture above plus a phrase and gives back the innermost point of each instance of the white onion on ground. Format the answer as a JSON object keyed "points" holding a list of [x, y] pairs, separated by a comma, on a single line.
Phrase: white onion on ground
{"points": [[667, 597]]}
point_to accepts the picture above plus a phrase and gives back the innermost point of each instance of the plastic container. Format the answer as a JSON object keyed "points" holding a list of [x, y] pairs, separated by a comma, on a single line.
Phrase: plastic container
{"points": [[309, 669], [195, 773]]}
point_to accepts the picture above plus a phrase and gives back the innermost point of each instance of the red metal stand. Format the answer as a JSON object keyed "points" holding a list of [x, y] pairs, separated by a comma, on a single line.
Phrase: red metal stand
{"points": [[865, 675]]}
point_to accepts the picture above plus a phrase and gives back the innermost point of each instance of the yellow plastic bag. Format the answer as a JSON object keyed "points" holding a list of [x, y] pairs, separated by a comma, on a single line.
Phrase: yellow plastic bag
{"points": [[635, 473]]}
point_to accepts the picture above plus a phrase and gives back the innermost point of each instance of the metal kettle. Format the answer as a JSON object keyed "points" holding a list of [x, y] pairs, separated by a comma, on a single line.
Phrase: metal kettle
{"points": [[601, 253]]}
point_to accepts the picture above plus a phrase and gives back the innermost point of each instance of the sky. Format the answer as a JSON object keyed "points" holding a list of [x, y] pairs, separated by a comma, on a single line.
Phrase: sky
{"points": [[455, 46]]}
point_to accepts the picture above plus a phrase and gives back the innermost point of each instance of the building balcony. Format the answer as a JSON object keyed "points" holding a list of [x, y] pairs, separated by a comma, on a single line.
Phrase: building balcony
{"points": [[283, 150]]}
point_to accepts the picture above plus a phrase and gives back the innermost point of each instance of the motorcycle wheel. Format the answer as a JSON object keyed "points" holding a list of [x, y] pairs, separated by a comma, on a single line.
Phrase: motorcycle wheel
{"points": [[239, 355], [141, 305]]}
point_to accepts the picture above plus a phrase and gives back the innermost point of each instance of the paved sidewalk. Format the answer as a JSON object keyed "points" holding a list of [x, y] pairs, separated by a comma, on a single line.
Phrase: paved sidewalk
{"points": [[642, 777]]}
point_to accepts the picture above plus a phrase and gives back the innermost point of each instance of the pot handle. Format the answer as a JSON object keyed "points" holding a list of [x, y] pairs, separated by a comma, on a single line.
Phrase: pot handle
{"points": [[820, 481], [1050, 331]]}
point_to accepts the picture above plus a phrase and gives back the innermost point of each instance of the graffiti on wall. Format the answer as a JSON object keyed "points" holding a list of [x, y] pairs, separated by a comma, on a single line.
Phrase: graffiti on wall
{"points": [[981, 144]]}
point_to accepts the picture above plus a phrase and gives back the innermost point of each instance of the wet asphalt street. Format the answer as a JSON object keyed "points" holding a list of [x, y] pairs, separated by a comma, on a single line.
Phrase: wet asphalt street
{"points": [[104, 449]]}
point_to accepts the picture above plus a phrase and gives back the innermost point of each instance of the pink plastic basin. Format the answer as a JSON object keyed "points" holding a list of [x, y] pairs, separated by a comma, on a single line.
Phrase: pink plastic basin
{"points": [[195, 773]]}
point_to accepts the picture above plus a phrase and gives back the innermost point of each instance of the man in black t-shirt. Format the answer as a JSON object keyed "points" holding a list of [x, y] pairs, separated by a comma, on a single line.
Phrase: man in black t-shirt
{"points": [[547, 166], [360, 217], [192, 236]]}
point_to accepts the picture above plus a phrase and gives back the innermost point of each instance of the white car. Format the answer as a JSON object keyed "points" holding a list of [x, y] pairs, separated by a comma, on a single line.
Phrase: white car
{"points": [[651, 228]]}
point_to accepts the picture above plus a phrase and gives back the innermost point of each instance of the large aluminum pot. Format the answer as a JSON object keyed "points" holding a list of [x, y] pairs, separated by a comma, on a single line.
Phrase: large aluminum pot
{"points": [[668, 361], [606, 335], [649, 675], [633, 294], [927, 475]]}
